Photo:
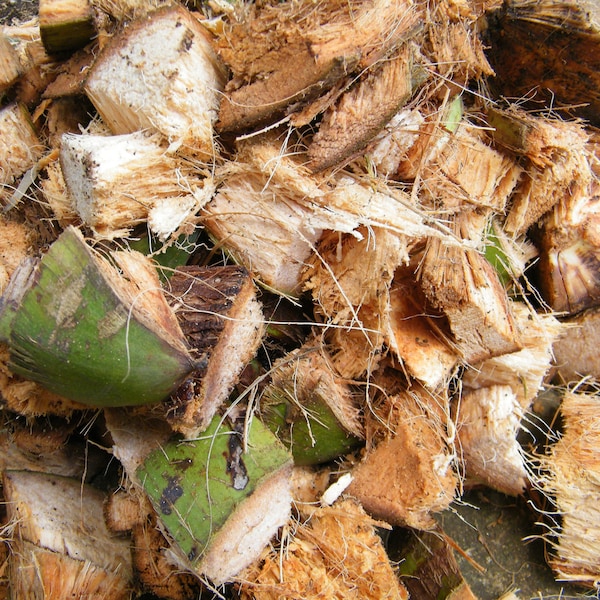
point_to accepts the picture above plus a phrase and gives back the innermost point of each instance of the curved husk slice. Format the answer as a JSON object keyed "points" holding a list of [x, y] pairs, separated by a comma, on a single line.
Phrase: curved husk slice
{"points": [[220, 504], [81, 329]]}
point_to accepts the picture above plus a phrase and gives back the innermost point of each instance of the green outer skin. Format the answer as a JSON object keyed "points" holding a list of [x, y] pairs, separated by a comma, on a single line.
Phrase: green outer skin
{"points": [[175, 478], [496, 256], [73, 335], [174, 256], [331, 440], [67, 37], [508, 130], [454, 114]]}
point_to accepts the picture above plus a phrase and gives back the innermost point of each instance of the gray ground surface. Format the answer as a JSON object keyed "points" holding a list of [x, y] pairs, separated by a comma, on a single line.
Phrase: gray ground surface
{"points": [[13, 11], [491, 528]]}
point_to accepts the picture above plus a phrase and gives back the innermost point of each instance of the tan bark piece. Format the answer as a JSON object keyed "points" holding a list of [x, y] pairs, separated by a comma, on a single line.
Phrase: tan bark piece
{"points": [[457, 51], [469, 171], [349, 280], [349, 125], [569, 266], [41, 574], [335, 554], [464, 286], [10, 65], [407, 473], [576, 351], [40, 69], [542, 189], [421, 340], [285, 56], [524, 370], [170, 83], [20, 147], [44, 446]]}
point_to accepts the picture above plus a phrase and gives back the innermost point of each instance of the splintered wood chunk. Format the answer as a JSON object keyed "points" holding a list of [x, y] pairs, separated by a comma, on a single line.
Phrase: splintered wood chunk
{"points": [[407, 472], [457, 50], [10, 65], [40, 446], [161, 74], [557, 166], [16, 241], [118, 182], [266, 214], [576, 352], [349, 279], [487, 425], [335, 554], [298, 80], [353, 122], [469, 171], [570, 474], [464, 286], [420, 339], [20, 147], [569, 265], [66, 25], [391, 146], [61, 546], [524, 370], [156, 573], [285, 56], [223, 323]]}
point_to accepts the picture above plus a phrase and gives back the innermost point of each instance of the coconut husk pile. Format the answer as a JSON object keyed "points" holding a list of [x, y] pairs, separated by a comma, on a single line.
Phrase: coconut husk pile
{"points": [[279, 279]]}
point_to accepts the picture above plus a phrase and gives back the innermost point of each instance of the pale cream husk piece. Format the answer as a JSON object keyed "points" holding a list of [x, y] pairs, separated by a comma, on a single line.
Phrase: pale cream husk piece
{"points": [[117, 182], [50, 553], [160, 74]]}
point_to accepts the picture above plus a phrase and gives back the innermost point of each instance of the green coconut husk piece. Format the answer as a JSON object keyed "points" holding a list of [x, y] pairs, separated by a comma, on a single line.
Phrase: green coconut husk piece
{"points": [[82, 329], [310, 409], [221, 497], [66, 25]]}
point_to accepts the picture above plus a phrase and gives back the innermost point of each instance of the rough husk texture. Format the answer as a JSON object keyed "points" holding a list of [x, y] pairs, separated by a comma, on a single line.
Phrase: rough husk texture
{"points": [[335, 554], [571, 476]]}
